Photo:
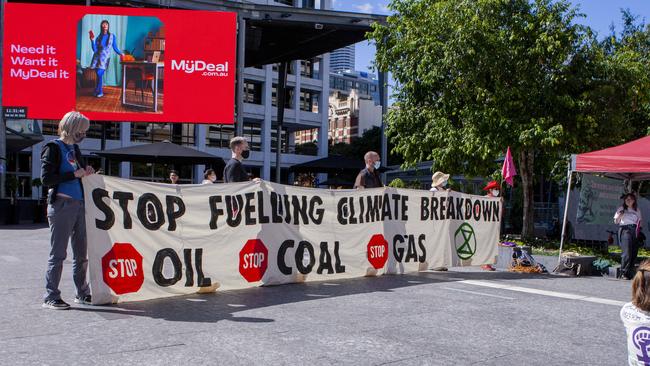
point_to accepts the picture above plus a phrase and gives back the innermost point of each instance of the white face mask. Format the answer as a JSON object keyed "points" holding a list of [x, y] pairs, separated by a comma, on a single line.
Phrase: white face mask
{"points": [[444, 184], [495, 192], [377, 164]]}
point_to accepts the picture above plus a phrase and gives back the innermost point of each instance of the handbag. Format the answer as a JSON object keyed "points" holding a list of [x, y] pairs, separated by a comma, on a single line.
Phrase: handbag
{"points": [[568, 268]]}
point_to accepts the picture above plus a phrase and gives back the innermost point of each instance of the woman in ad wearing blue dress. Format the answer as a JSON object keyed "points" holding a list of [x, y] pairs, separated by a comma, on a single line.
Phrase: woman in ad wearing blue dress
{"points": [[101, 54]]}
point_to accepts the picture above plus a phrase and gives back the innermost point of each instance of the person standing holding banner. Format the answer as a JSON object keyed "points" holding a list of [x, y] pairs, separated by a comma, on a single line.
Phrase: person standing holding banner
{"points": [[629, 219], [62, 170], [368, 177], [493, 190], [234, 170]]}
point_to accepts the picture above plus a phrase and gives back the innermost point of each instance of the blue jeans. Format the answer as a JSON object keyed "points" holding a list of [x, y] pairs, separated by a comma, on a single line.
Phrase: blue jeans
{"points": [[67, 220]]}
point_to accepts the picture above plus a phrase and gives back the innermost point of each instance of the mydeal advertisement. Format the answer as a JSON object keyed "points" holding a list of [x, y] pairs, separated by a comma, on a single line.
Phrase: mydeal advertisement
{"points": [[119, 64]]}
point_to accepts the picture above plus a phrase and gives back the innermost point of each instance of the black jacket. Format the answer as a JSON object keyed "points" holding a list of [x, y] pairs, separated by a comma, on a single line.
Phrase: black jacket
{"points": [[50, 163], [234, 172]]}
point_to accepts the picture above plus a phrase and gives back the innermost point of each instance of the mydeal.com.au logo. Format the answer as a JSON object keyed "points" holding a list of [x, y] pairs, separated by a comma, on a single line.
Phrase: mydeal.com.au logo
{"points": [[202, 67]]}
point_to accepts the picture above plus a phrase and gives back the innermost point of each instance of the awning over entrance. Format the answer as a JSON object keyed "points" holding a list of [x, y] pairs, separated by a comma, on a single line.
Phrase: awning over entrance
{"points": [[21, 134], [333, 164], [279, 33], [161, 152]]}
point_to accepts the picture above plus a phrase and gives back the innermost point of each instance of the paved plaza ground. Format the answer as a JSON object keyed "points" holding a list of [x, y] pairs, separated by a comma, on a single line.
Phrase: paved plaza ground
{"points": [[462, 317]]}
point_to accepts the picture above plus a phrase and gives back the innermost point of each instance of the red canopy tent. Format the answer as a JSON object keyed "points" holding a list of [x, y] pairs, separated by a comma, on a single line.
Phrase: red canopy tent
{"points": [[627, 161], [630, 161]]}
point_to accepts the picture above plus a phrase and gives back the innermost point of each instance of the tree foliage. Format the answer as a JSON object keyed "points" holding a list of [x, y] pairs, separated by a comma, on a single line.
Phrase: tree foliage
{"points": [[475, 76]]}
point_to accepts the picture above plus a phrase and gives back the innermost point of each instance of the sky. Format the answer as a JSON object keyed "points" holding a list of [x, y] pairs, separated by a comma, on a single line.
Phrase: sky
{"points": [[600, 15]]}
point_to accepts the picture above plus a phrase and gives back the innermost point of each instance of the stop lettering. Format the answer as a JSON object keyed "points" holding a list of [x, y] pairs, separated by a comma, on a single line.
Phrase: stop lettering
{"points": [[377, 251], [122, 269], [253, 260]]}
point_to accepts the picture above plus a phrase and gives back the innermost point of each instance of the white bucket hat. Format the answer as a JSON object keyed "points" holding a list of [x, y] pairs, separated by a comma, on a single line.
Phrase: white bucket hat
{"points": [[438, 178]]}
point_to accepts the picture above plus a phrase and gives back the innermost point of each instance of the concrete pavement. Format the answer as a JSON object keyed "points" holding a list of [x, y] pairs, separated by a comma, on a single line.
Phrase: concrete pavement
{"points": [[462, 317]]}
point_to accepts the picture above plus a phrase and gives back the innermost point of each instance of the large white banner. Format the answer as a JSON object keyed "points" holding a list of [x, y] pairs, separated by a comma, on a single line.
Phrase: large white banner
{"points": [[150, 240]]}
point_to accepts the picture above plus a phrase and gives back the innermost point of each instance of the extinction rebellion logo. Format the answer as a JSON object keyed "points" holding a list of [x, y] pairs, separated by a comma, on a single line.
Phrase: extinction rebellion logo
{"points": [[202, 67], [465, 241]]}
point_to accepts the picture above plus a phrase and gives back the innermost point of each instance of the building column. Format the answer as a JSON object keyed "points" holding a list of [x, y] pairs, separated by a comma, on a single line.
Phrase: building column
{"points": [[125, 141], [267, 124], [36, 159], [323, 108], [199, 143]]}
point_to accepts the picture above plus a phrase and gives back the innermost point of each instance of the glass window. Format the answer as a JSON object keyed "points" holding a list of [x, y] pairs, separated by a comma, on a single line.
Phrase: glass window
{"points": [[178, 133], [253, 133], [253, 91], [220, 135], [19, 174], [284, 140], [159, 172], [310, 68], [309, 100], [50, 127], [340, 84], [95, 130], [285, 2], [288, 97], [290, 68], [311, 4]]}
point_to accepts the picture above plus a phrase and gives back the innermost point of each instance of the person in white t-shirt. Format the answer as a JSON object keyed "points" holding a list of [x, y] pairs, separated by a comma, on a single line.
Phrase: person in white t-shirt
{"points": [[629, 219], [636, 318], [439, 182], [209, 177]]}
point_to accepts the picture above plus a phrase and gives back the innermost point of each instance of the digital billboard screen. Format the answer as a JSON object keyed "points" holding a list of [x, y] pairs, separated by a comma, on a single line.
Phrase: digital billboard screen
{"points": [[119, 64]]}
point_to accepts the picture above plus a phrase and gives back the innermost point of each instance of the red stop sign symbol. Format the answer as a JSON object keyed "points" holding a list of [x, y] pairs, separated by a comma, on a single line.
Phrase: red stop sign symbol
{"points": [[378, 251], [122, 269], [253, 260]]}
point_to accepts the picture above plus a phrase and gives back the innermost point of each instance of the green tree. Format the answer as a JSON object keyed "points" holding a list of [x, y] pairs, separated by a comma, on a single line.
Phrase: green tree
{"points": [[473, 77]]}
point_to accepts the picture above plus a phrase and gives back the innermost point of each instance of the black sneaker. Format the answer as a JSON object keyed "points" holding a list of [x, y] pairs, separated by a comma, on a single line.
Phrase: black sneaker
{"points": [[85, 300], [56, 304]]}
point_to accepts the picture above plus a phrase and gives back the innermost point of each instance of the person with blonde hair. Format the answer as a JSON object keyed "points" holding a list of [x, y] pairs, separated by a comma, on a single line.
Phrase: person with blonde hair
{"points": [[368, 177], [636, 318], [61, 170]]}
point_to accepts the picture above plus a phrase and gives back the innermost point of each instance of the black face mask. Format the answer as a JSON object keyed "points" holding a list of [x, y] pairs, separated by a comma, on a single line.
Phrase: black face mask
{"points": [[245, 154]]}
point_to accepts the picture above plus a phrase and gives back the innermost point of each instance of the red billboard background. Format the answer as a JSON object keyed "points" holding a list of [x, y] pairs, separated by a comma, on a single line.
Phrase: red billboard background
{"points": [[40, 69]]}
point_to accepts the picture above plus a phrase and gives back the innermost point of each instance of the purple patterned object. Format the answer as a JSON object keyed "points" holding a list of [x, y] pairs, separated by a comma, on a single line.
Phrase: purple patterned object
{"points": [[507, 244]]}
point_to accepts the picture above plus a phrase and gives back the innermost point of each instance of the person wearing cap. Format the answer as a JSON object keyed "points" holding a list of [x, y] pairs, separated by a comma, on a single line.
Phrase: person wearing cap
{"points": [[368, 177], [493, 190], [439, 182]]}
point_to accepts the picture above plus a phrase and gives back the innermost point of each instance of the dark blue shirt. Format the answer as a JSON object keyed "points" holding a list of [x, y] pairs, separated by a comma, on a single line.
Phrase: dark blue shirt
{"points": [[69, 163]]}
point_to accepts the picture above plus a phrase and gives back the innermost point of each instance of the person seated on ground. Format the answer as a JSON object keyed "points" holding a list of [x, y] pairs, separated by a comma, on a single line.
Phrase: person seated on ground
{"points": [[636, 318], [209, 177], [368, 177], [439, 181], [493, 190]]}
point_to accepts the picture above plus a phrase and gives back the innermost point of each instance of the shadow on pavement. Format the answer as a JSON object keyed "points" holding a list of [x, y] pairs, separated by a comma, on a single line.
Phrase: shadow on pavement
{"points": [[25, 227], [224, 305]]}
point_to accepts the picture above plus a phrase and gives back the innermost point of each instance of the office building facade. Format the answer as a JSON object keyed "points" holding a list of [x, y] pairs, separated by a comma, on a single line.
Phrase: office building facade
{"points": [[305, 108], [342, 59]]}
